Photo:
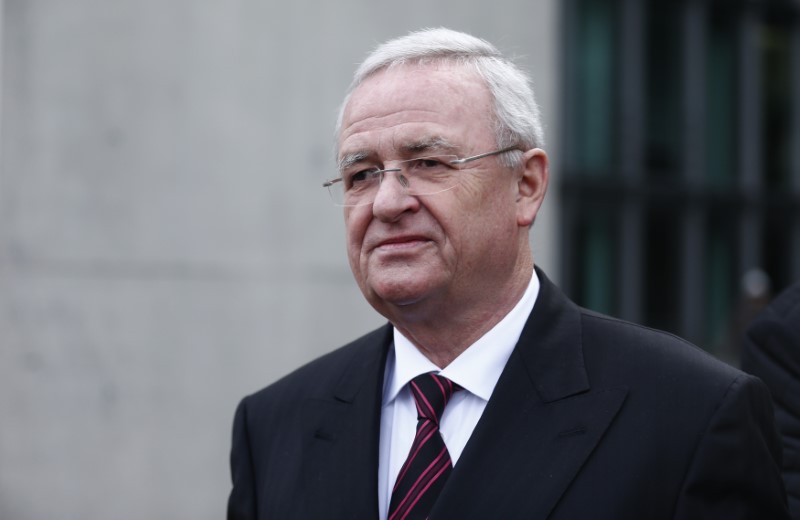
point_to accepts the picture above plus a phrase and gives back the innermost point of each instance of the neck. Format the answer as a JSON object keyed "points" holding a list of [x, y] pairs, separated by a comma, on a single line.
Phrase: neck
{"points": [[443, 332]]}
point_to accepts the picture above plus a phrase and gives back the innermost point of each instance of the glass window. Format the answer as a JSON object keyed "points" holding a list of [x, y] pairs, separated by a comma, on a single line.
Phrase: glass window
{"points": [[743, 67], [664, 77], [721, 100], [775, 41], [662, 259], [595, 89], [596, 254]]}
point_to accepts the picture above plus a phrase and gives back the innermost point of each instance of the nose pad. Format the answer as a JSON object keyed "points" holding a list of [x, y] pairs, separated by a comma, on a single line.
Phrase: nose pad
{"points": [[393, 198], [401, 179]]}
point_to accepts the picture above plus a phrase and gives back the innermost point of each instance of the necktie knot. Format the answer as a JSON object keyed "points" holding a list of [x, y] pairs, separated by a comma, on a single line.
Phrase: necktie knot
{"points": [[431, 393]]}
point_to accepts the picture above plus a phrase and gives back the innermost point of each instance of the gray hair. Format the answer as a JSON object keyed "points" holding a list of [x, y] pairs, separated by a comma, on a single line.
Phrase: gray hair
{"points": [[516, 115]]}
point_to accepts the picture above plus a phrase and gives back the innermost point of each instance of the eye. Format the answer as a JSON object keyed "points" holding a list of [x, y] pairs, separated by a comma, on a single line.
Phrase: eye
{"points": [[358, 178], [424, 164], [435, 168]]}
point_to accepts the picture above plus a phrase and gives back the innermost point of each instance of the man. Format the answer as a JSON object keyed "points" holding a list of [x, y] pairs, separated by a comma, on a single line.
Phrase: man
{"points": [[489, 394], [771, 351]]}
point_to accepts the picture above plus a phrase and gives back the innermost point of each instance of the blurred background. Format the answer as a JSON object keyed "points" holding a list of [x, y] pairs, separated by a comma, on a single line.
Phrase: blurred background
{"points": [[166, 246]]}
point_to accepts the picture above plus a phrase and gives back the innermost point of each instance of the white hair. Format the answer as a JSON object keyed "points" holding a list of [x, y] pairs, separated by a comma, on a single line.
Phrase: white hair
{"points": [[516, 115]]}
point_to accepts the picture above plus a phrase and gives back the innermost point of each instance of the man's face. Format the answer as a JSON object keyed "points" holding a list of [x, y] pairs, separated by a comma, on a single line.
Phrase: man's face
{"points": [[429, 252]]}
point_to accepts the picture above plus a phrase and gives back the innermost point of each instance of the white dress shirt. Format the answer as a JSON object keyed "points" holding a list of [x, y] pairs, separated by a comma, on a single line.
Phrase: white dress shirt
{"points": [[476, 370]]}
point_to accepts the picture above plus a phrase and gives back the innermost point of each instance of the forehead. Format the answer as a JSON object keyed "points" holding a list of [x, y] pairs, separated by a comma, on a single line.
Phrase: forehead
{"points": [[417, 103]]}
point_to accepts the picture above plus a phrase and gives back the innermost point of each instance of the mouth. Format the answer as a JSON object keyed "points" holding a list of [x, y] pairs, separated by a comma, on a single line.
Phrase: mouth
{"points": [[401, 243]]}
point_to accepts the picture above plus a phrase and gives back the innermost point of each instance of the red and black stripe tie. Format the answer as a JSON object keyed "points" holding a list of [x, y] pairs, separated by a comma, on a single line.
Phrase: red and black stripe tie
{"points": [[428, 465]]}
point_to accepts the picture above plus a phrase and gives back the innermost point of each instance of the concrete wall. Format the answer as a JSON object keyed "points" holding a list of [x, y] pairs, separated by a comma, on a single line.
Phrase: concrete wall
{"points": [[165, 245]]}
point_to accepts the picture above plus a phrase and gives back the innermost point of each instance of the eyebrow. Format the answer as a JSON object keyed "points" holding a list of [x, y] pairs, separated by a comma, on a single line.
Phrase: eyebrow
{"points": [[438, 144], [427, 145], [349, 159]]}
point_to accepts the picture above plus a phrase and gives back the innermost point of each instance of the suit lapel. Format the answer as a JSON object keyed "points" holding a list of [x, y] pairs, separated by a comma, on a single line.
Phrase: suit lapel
{"points": [[540, 425], [341, 438]]}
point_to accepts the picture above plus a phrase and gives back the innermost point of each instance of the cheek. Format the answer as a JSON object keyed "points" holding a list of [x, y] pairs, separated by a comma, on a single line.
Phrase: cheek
{"points": [[487, 222], [355, 225]]}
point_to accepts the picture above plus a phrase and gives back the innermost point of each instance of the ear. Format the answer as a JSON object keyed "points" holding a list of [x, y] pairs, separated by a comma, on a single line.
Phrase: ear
{"points": [[532, 185]]}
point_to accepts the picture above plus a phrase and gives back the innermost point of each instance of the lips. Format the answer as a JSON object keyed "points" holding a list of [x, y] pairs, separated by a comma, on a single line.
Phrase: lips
{"points": [[401, 241]]}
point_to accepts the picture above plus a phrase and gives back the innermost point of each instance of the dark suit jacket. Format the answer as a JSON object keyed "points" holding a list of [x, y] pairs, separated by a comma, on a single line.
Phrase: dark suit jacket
{"points": [[771, 350], [592, 418]]}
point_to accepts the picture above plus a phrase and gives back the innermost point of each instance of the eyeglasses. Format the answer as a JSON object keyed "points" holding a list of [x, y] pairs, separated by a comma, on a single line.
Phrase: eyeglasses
{"points": [[428, 175]]}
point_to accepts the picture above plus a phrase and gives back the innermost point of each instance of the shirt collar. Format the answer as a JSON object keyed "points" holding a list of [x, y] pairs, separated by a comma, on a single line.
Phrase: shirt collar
{"points": [[478, 368]]}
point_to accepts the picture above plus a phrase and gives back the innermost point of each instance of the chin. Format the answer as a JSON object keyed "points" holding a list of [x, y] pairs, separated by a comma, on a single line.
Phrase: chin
{"points": [[397, 294], [397, 298]]}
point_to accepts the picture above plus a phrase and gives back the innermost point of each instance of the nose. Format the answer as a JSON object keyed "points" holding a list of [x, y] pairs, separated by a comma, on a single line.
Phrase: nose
{"points": [[392, 199]]}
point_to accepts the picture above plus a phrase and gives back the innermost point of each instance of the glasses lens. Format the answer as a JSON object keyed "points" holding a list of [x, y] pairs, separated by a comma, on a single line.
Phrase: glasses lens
{"points": [[335, 193], [357, 190], [418, 177], [341, 196], [431, 175]]}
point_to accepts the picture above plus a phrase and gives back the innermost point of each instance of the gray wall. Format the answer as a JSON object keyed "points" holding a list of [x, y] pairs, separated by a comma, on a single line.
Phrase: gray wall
{"points": [[165, 245]]}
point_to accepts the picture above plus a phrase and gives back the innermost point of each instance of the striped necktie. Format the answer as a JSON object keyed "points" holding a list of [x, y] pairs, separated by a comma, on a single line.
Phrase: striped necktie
{"points": [[428, 465]]}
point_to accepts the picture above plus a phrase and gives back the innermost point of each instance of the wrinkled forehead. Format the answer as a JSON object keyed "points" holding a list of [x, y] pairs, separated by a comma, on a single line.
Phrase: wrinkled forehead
{"points": [[434, 99], [434, 76], [416, 66], [459, 73]]}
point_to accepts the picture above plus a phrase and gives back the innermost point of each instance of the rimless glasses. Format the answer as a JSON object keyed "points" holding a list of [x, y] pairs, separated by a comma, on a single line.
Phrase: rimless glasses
{"points": [[428, 175]]}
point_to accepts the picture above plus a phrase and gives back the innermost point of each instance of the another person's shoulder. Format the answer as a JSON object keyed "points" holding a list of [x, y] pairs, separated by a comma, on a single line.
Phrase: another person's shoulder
{"points": [[771, 345], [771, 351], [781, 316]]}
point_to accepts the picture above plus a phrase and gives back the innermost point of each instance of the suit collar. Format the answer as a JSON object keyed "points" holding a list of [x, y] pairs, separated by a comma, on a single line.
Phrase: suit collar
{"points": [[366, 365], [540, 425], [341, 436], [551, 345]]}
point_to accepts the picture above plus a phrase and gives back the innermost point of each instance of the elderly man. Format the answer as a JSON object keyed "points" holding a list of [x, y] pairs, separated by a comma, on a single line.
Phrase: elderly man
{"points": [[488, 394]]}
